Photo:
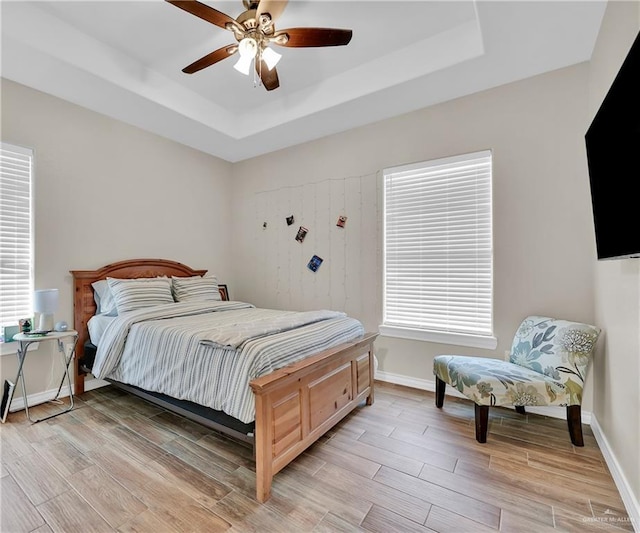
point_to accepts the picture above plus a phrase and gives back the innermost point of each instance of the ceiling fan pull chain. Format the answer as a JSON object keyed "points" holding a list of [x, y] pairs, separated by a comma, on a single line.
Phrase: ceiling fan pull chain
{"points": [[257, 72]]}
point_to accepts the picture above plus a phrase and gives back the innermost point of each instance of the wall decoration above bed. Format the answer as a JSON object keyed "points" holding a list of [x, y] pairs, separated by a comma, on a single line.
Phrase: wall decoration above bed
{"points": [[314, 263], [297, 374], [350, 279], [302, 233]]}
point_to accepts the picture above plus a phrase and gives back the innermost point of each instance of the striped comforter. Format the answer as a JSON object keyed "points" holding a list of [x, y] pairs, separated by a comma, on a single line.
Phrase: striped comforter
{"points": [[208, 352]]}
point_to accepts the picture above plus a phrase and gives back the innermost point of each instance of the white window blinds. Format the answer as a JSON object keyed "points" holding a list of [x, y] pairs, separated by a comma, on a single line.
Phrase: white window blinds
{"points": [[16, 279], [438, 246]]}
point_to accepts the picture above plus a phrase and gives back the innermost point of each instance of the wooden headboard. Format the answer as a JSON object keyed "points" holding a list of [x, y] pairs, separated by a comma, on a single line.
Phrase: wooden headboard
{"points": [[84, 306]]}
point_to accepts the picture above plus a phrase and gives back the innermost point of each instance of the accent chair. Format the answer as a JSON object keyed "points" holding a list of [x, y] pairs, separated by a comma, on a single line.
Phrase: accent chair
{"points": [[547, 365]]}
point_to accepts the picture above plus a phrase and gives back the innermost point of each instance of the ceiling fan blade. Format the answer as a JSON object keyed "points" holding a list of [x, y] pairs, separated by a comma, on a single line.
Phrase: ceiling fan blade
{"points": [[210, 59], [269, 77], [273, 7], [308, 37], [204, 12]]}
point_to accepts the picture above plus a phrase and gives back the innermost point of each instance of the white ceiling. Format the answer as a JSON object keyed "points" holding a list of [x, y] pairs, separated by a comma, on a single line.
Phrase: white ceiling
{"points": [[124, 59]]}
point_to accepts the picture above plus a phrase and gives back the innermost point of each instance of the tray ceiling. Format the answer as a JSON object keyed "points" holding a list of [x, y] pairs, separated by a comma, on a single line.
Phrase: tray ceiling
{"points": [[124, 59]]}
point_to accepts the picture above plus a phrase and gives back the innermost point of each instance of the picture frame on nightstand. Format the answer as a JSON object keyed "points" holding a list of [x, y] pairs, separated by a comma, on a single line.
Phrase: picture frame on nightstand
{"points": [[224, 293]]}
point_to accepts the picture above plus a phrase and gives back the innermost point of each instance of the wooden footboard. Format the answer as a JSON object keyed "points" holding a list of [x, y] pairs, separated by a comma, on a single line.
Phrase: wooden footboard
{"points": [[299, 403]]}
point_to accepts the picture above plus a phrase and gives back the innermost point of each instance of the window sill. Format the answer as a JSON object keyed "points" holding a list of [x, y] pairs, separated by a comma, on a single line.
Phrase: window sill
{"points": [[456, 339], [11, 348]]}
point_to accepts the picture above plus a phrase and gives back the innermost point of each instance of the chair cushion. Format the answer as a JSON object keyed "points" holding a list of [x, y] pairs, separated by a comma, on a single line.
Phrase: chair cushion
{"points": [[495, 382], [560, 349]]}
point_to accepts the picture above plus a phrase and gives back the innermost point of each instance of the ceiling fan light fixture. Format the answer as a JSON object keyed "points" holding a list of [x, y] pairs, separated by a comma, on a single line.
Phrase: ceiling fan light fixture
{"points": [[244, 65], [248, 48], [271, 57]]}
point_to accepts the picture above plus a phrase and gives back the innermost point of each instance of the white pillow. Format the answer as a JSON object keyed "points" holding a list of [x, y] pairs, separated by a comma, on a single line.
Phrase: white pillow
{"points": [[105, 303], [195, 289], [132, 294], [96, 326]]}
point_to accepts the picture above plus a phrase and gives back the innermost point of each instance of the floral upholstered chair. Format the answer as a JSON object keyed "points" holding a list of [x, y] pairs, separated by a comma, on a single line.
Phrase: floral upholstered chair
{"points": [[547, 366]]}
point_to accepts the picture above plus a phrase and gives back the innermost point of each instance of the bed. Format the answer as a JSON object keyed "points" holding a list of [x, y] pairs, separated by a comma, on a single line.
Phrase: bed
{"points": [[293, 405]]}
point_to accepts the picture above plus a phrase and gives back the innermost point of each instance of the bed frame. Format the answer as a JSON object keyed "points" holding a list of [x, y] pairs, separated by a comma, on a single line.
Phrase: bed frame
{"points": [[295, 405]]}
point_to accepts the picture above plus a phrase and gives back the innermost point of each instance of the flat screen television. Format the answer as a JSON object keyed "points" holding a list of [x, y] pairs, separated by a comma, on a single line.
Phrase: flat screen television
{"points": [[613, 157]]}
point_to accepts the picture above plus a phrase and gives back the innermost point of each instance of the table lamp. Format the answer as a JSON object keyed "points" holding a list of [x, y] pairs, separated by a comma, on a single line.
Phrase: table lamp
{"points": [[45, 302]]}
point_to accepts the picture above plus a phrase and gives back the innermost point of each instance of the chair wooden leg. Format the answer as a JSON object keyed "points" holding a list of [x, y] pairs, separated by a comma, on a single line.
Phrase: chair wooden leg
{"points": [[574, 420], [520, 409], [440, 388], [482, 422]]}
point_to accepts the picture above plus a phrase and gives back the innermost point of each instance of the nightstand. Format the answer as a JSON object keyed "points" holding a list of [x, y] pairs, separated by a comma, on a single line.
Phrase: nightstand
{"points": [[24, 341]]}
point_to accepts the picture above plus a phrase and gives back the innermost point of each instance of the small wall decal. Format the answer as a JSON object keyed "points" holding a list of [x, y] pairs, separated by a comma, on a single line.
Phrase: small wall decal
{"points": [[264, 225], [342, 220], [290, 220], [302, 233], [314, 263]]}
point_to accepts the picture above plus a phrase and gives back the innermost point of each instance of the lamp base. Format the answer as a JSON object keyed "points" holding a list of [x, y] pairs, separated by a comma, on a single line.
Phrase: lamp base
{"points": [[45, 322]]}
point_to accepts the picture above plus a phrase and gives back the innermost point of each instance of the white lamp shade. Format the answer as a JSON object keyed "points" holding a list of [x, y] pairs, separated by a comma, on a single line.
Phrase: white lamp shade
{"points": [[45, 302], [248, 48], [270, 57], [244, 64]]}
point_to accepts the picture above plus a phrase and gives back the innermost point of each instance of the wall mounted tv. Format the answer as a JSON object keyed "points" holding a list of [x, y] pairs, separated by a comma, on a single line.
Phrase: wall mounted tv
{"points": [[613, 156]]}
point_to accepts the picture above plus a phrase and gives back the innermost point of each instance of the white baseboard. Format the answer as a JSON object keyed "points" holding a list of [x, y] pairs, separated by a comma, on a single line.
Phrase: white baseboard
{"points": [[629, 499], [430, 385], [17, 404]]}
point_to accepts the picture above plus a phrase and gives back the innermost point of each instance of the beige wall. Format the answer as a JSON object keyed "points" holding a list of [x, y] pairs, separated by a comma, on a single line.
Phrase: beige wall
{"points": [[617, 283], [544, 244], [106, 191]]}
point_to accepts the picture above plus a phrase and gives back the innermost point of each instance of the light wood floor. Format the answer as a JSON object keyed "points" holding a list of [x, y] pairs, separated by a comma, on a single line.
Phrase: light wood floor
{"points": [[116, 463]]}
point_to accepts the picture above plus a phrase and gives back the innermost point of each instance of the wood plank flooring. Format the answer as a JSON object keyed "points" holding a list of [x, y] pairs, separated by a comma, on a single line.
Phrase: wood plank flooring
{"points": [[117, 463]]}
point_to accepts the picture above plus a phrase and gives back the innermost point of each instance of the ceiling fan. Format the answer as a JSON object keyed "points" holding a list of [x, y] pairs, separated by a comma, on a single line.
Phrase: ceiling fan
{"points": [[254, 29]]}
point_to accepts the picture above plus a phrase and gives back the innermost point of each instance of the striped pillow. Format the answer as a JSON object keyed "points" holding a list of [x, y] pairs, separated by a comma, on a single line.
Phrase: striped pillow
{"points": [[195, 289], [132, 294]]}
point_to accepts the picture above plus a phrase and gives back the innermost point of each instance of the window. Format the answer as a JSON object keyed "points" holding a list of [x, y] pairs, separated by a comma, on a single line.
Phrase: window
{"points": [[16, 250], [438, 260]]}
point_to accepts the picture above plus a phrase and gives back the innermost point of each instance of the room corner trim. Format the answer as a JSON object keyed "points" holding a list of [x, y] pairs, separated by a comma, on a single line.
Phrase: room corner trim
{"points": [[628, 498]]}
